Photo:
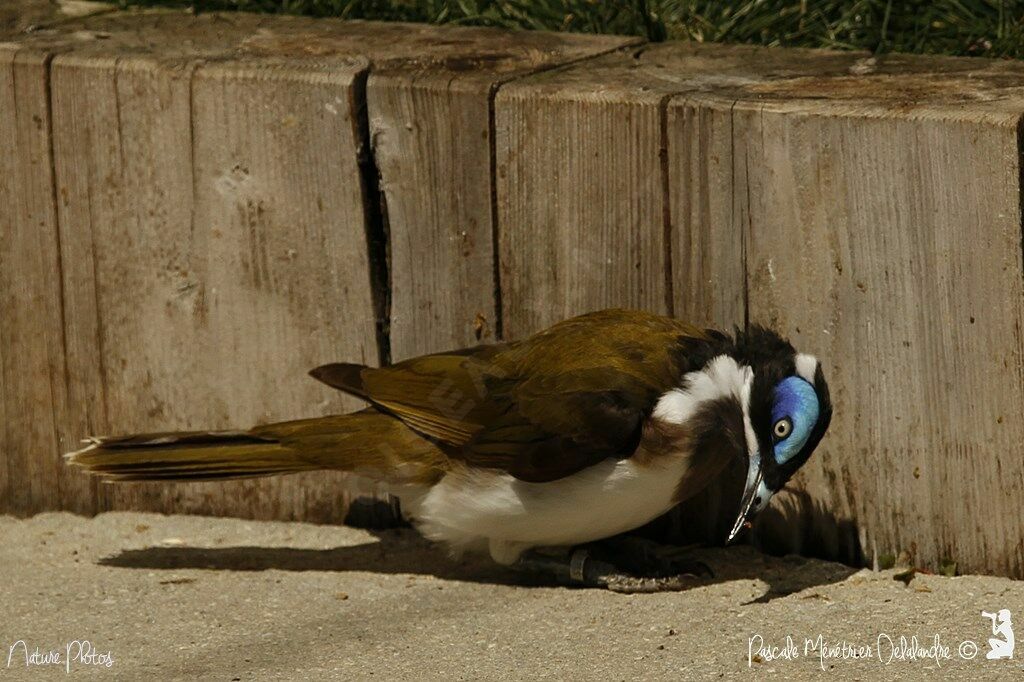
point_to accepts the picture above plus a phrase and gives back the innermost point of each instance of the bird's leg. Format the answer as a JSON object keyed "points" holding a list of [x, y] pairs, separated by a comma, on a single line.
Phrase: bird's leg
{"points": [[548, 565], [649, 559], [581, 567]]}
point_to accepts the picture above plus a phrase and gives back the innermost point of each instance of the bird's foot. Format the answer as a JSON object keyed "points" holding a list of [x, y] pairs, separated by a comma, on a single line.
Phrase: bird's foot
{"points": [[608, 576], [589, 567], [649, 559]]}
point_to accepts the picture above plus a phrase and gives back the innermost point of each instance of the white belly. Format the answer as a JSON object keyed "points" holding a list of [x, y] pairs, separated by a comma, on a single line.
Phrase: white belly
{"points": [[470, 507]]}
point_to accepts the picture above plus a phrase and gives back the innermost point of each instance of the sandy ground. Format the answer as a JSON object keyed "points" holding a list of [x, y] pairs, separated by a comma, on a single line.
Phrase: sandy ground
{"points": [[220, 599]]}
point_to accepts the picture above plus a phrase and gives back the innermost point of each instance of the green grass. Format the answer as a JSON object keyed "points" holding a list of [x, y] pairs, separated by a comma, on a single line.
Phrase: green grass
{"points": [[993, 28]]}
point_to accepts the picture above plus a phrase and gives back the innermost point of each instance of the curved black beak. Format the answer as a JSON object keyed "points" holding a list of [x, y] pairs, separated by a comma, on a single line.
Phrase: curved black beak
{"points": [[755, 497]]}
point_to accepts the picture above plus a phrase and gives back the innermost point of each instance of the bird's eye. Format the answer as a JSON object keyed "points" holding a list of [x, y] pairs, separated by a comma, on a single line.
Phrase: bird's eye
{"points": [[782, 428]]}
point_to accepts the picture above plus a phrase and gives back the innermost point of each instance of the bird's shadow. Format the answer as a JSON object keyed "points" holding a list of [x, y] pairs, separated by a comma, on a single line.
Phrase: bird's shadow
{"points": [[403, 551]]}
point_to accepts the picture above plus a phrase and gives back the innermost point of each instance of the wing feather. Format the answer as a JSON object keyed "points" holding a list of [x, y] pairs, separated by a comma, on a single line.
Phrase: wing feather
{"points": [[542, 408]]}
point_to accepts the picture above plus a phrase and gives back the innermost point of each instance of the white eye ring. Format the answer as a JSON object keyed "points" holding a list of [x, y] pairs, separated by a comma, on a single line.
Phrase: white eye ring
{"points": [[782, 428]]}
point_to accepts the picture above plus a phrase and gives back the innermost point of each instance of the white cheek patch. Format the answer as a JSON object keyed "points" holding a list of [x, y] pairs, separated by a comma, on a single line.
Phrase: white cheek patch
{"points": [[753, 450], [721, 378], [806, 367]]}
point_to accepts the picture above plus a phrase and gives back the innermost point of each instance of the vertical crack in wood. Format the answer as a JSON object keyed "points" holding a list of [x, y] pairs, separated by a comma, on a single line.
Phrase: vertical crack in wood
{"points": [[1020, 182], [492, 139], [666, 204], [9, 504], [193, 69], [101, 356], [117, 114], [375, 211], [745, 226], [380, 512], [63, 384], [59, 374]]}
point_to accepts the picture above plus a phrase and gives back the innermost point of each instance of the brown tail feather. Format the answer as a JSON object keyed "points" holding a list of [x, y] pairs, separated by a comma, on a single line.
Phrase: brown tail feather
{"points": [[192, 456], [369, 443]]}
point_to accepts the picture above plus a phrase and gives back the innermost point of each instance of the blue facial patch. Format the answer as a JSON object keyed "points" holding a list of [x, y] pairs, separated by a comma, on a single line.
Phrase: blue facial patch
{"points": [[795, 400]]}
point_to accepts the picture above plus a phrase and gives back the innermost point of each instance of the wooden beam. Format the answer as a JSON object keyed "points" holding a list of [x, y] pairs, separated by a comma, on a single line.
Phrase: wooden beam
{"points": [[581, 201], [212, 225], [868, 208], [594, 193], [430, 121], [215, 214], [215, 251], [881, 222], [890, 245], [33, 409], [429, 105]]}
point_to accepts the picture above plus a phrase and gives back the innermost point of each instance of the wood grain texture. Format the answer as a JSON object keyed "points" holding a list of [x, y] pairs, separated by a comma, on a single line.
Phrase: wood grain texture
{"points": [[430, 127], [429, 104], [599, 205], [707, 203], [879, 211], [868, 208], [580, 201], [212, 212], [891, 247], [429, 100], [288, 269], [432, 146], [32, 392], [216, 252]]}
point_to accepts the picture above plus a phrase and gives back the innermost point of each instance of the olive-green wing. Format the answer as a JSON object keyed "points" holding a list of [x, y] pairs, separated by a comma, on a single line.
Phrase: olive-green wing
{"points": [[542, 408], [446, 396]]}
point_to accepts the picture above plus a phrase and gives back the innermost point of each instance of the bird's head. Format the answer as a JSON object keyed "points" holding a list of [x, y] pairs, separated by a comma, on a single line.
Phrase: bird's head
{"points": [[772, 404], [789, 411]]}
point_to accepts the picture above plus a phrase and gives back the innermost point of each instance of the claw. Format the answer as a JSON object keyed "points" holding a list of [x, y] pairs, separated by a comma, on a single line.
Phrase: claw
{"points": [[632, 585], [647, 559], [658, 569], [596, 573]]}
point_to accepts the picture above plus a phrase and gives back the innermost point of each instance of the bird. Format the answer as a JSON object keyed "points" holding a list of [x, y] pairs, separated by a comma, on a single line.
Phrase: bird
{"points": [[579, 433]]}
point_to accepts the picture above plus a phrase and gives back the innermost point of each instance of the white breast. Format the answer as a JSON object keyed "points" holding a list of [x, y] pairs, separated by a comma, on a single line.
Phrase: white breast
{"points": [[469, 507]]}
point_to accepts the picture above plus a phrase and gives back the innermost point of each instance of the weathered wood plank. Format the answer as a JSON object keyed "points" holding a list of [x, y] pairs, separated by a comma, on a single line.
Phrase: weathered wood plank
{"points": [[581, 198], [431, 129], [882, 231], [590, 211], [433, 152], [288, 268], [707, 222], [892, 247], [32, 394], [217, 252], [429, 107], [191, 216], [831, 191]]}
